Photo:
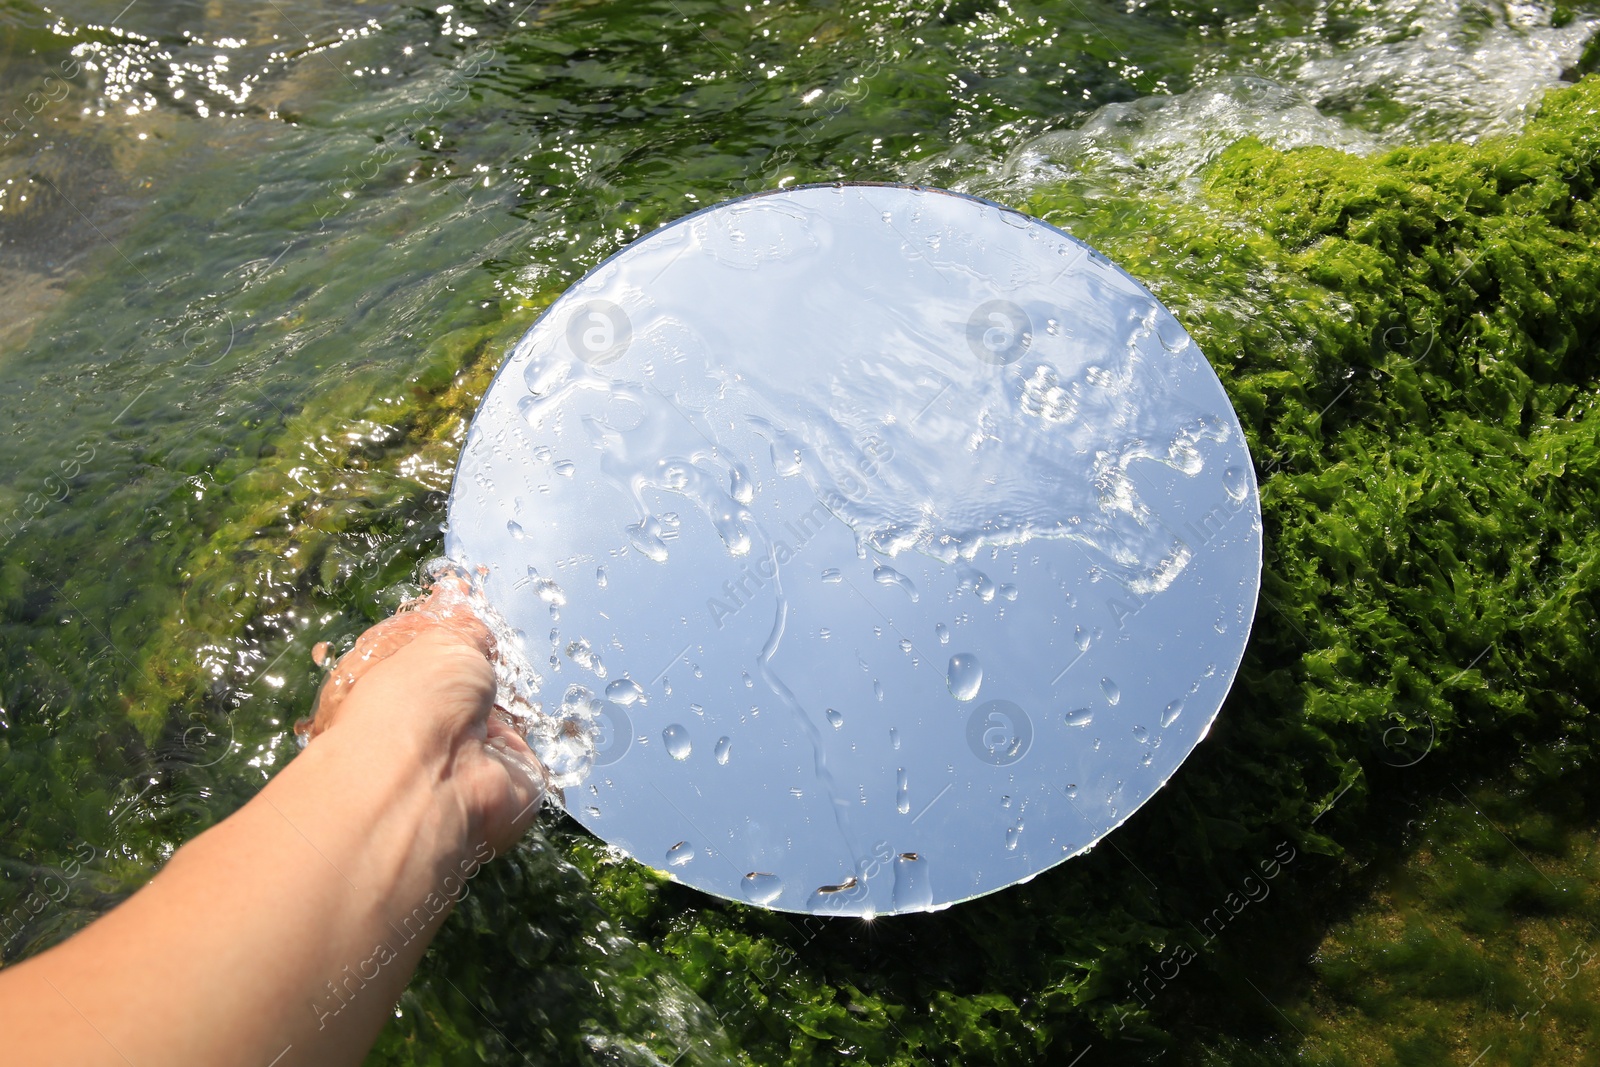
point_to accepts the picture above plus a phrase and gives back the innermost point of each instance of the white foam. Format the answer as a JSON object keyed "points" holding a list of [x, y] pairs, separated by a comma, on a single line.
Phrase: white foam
{"points": [[1419, 70]]}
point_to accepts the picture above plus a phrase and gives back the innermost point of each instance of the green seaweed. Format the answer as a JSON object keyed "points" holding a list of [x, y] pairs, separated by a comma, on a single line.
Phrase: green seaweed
{"points": [[1409, 340]]}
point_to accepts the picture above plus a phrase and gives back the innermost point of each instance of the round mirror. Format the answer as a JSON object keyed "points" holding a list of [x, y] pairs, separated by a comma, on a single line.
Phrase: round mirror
{"points": [[895, 545]]}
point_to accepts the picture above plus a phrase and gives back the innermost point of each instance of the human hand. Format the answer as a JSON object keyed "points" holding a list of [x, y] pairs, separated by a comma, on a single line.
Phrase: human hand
{"points": [[421, 686]]}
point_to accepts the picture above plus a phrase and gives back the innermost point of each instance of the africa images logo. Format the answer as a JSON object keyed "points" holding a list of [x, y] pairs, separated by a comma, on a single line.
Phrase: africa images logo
{"points": [[999, 332], [999, 732], [599, 332], [612, 733]]}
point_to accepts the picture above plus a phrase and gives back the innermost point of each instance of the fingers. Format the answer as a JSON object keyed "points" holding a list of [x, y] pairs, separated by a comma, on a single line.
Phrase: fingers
{"points": [[461, 623], [526, 778], [448, 606], [445, 611], [436, 678], [515, 742]]}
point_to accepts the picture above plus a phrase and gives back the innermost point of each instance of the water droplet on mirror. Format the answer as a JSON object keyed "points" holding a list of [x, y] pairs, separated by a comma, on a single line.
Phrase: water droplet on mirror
{"points": [[905, 644], [600, 577], [832, 576], [542, 376], [762, 888], [514, 528], [837, 887], [1080, 717], [721, 753], [566, 468], [676, 738], [566, 745], [1109, 688], [884, 574], [548, 591], [680, 854], [835, 719], [730, 527], [902, 794], [877, 690], [1013, 836], [964, 676], [894, 739], [1141, 735], [749, 683], [646, 538], [1008, 592], [1080, 637], [740, 487], [913, 890], [1170, 715], [625, 691], [1235, 484], [984, 587], [944, 633], [581, 653]]}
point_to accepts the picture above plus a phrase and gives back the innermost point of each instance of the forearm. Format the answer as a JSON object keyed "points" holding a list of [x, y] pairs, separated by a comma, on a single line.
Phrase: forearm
{"points": [[283, 935]]}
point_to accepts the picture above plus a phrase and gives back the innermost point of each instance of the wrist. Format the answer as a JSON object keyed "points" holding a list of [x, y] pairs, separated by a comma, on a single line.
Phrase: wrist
{"points": [[395, 795]]}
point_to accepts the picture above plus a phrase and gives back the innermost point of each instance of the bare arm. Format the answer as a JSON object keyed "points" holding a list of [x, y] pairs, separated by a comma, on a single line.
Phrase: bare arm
{"points": [[286, 933]]}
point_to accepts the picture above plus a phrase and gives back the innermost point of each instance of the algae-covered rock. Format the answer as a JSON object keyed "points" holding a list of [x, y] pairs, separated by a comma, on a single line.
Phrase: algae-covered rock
{"points": [[1410, 341]]}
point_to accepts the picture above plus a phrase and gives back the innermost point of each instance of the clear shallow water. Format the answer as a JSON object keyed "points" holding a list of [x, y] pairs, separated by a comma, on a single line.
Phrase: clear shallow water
{"points": [[210, 354]]}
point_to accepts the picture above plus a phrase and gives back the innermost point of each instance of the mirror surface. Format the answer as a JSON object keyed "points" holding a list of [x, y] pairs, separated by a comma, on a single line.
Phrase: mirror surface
{"points": [[894, 545]]}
